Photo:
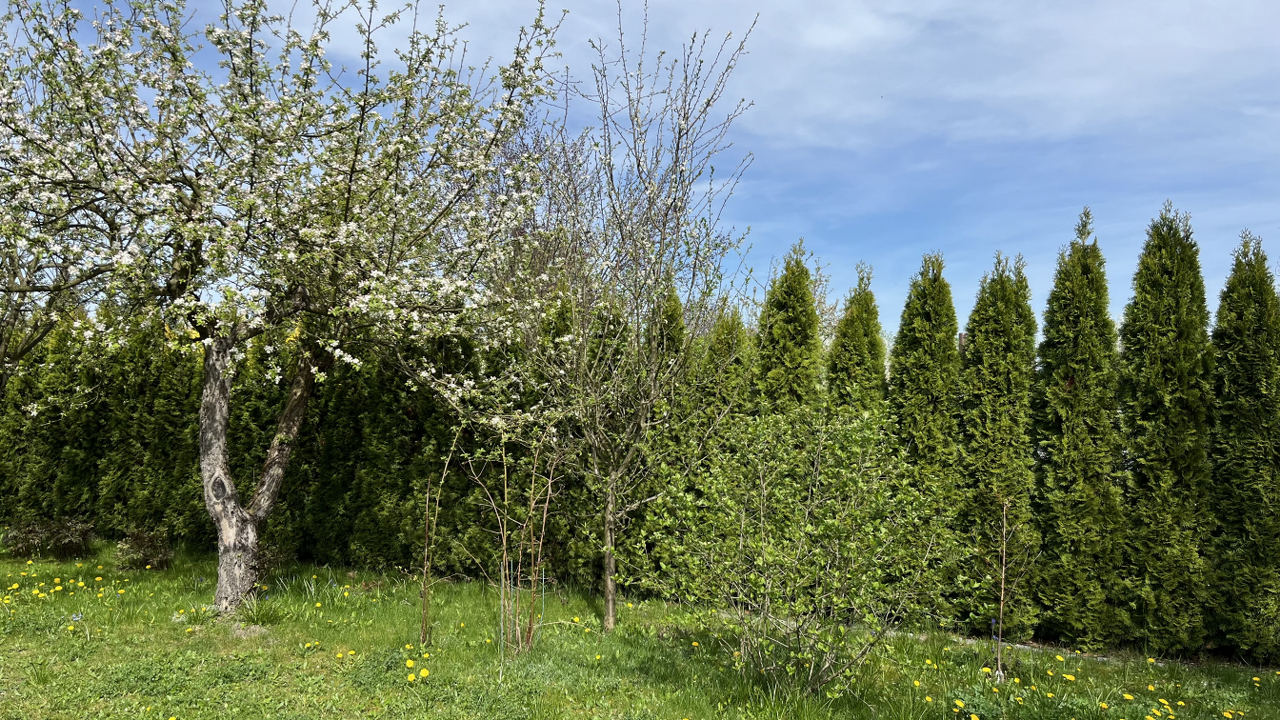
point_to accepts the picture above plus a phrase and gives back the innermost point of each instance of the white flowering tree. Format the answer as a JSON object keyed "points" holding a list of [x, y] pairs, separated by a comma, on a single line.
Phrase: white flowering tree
{"points": [[247, 187]]}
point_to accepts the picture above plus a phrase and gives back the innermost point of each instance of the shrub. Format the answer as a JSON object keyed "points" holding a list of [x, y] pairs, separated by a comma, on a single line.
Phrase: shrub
{"points": [[144, 548], [60, 538], [799, 541]]}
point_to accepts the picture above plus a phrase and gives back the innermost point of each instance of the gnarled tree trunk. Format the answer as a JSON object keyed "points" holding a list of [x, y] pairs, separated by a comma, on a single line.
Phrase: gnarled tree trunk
{"points": [[237, 524]]}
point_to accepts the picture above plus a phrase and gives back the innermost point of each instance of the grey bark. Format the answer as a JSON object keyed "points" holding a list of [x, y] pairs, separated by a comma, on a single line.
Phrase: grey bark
{"points": [[236, 524]]}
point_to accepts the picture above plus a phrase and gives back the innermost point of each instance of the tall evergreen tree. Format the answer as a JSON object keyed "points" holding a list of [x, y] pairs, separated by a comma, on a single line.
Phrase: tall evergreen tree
{"points": [[997, 363], [1167, 398], [1246, 456], [1078, 499], [855, 362], [789, 346], [923, 369]]}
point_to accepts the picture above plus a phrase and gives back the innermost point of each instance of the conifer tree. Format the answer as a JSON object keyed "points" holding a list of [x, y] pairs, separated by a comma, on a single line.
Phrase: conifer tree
{"points": [[1246, 457], [855, 363], [1167, 397], [1078, 438], [923, 368], [789, 346], [995, 417]]}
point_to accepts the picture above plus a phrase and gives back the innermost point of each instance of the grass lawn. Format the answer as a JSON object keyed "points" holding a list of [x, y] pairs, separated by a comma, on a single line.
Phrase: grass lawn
{"points": [[83, 639]]}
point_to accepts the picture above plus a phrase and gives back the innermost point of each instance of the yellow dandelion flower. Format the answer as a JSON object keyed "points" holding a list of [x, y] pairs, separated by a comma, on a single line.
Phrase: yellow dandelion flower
{"points": [[1255, 679], [973, 717], [575, 618], [1181, 703], [695, 643], [917, 683], [1127, 696], [960, 703], [412, 677], [1018, 680], [408, 647], [1102, 705], [1151, 660], [191, 629], [71, 627], [1151, 688], [597, 657], [1071, 678], [1162, 701], [986, 670], [1048, 694], [351, 652], [97, 579], [408, 663], [928, 699], [308, 645], [424, 672], [317, 604], [1060, 658]]}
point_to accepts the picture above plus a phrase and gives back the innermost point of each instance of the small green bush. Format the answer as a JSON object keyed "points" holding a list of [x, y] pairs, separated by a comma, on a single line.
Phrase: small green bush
{"points": [[144, 549], [61, 538]]}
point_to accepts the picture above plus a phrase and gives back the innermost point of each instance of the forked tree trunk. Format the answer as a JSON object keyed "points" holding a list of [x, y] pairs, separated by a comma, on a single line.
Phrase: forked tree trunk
{"points": [[236, 524]]}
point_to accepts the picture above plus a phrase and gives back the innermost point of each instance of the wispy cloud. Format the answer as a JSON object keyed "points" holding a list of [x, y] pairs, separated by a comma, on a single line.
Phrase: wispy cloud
{"points": [[882, 130]]}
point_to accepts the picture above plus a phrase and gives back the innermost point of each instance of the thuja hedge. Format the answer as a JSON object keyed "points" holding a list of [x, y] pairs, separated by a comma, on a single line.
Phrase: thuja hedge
{"points": [[1138, 463]]}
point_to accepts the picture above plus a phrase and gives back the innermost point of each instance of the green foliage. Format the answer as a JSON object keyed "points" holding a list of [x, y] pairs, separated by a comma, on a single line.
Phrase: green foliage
{"points": [[789, 346], [924, 367], [143, 549], [1078, 498], [796, 542], [995, 420], [1167, 397], [1246, 457], [104, 432], [855, 362]]}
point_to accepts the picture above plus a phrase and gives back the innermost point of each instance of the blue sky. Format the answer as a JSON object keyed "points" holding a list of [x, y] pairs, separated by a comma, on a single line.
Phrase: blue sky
{"points": [[884, 130]]}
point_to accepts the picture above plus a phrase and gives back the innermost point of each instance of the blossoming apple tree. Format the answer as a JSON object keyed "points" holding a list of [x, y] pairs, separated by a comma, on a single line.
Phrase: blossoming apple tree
{"points": [[241, 185]]}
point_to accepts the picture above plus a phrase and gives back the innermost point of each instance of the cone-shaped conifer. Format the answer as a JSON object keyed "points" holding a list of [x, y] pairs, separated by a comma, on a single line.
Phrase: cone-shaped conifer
{"points": [[1167, 397], [997, 363], [855, 363], [1246, 457], [1078, 437], [790, 349], [923, 368]]}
